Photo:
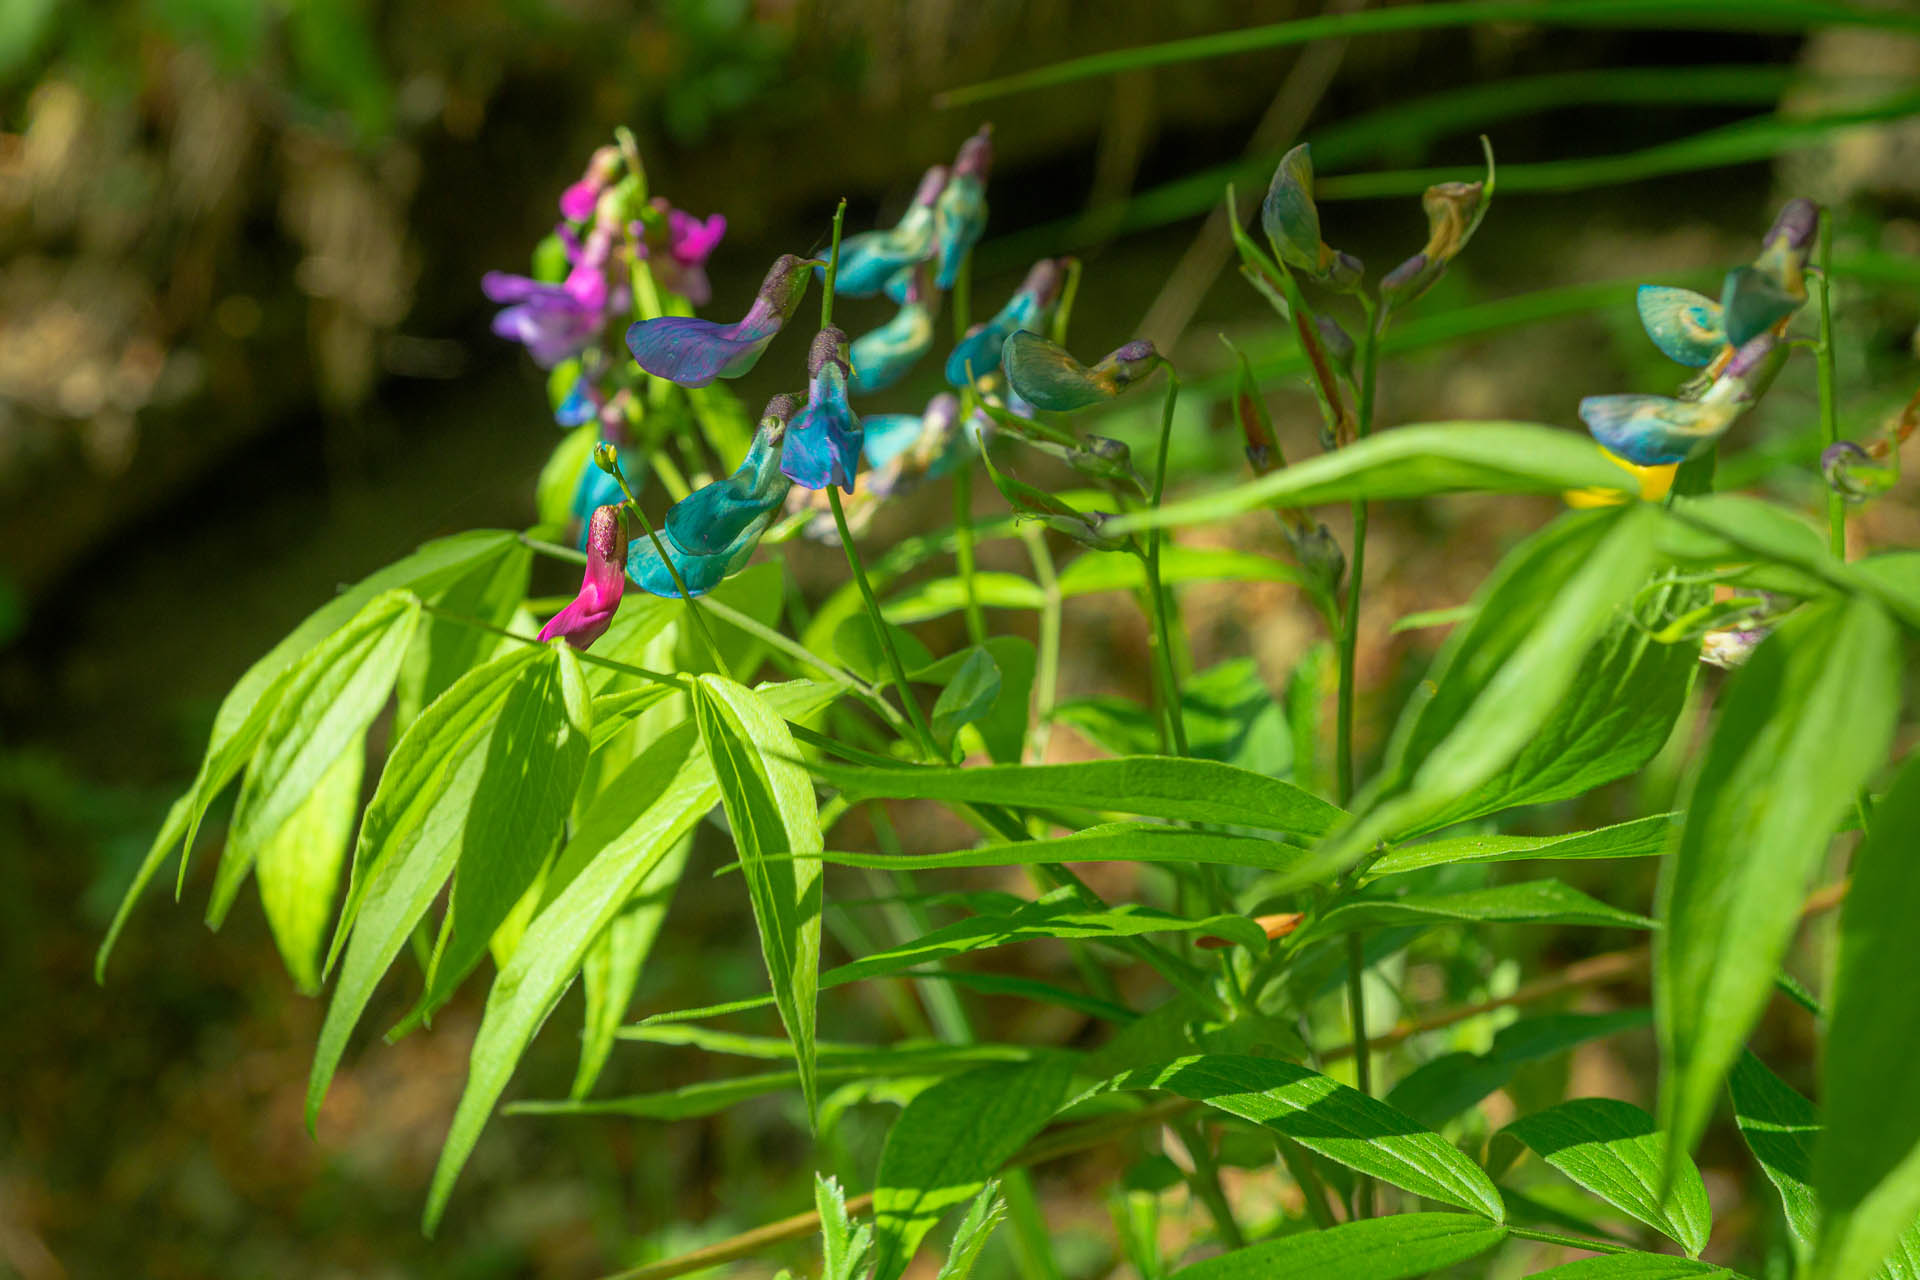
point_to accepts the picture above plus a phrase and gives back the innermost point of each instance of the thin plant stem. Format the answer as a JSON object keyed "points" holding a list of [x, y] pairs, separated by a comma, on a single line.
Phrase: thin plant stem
{"points": [[592, 660], [963, 549], [1571, 1242], [833, 265], [1829, 416], [1206, 1182], [914, 714], [1362, 1059], [686, 596], [1156, 596], [1046, 680]]}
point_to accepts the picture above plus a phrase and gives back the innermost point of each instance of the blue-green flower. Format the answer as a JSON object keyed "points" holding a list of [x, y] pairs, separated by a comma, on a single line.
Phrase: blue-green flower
{"points": [[1685, 325], [823, 448], [1030, 308], [883, 356], [711, 533]]}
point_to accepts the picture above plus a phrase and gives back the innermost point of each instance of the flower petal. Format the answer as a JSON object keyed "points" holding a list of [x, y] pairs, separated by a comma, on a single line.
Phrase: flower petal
{"points": [[1655, 430], [1685, 325], [1048, 377]]}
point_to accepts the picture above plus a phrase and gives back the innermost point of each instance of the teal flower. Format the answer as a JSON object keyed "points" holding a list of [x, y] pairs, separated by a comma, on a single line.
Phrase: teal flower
{"points": [[1659, 430], [1048, 377], [1685, 325], [1030, 308], [960, 214], [1760, 295], [824, 446], [693, 352], [711, 533], [870, 259], [885, 355]]}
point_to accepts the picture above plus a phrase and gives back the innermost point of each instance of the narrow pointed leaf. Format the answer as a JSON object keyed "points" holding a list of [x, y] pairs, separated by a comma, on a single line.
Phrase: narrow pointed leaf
{"points": [[1612, 1149], [298, 867], [1780, 1127], [770, 807], [1639, 838], [1523, 902], [1114, 842], [1440, 1089], [1633, 1266], [1802, 727], [612, 968], [1393, 1248]]}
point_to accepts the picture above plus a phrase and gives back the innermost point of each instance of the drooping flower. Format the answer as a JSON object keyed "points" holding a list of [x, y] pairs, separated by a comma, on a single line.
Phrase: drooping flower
{"points": [[1048, 377], [587, 617], [577, 201], [1760, 295], [693, 352], [925, 447], [978, 353], [1657, 430], [1685, 325], [960, 213], [885, 355], [823, 448], [711, 533], [1454, 212], [677, 245], [872, 258], [1292, 222]]}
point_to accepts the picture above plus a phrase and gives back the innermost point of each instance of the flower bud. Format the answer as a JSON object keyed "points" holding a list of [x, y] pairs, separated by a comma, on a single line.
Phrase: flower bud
{"points": [[590, 613], [1289, 216]]}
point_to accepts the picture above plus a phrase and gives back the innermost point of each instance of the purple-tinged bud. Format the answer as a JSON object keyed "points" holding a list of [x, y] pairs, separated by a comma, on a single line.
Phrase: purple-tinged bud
{"points": [[588, 616], [829, 346], [1344, 271], [577, 201], [1730, 647], [1043, 281], [1853, 473], [976, 155], [1795, 224], [931, 184], [1336, 341], [1750, 357], [778, 413], [1403, 275]]}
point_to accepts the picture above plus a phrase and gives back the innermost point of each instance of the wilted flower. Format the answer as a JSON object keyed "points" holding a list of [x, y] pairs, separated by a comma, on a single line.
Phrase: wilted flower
{"points": [[883, 356], [872, 258], [1292, 222], [1048, 377], [710, 534], [824, 446], [677, 245], [1454, 212], [693, 352], [960, 213], [1031, 306], [1757, 297], [1853, 473], [587, 617]]}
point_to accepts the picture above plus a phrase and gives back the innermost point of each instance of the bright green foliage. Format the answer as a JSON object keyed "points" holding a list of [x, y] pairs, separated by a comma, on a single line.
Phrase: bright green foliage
{"points": [[1396, 1248], [1611, 1148]]}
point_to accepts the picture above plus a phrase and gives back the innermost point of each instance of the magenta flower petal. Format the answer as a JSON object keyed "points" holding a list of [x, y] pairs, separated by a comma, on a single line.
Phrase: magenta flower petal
{"points": [[586, 619]]}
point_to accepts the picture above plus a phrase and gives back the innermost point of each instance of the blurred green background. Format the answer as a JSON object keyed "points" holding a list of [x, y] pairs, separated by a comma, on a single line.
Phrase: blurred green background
{"points": [[244, 358]]}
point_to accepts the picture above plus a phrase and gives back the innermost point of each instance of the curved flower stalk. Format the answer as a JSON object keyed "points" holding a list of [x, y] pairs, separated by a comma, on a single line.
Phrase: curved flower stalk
{"points": [[711, 533], [960, 212], [598, 486], [1454, 211], [1029, 309], [676, 245], [1658, 430], [885, 355], [692, 352], [1292, 222], [1046, 376], [824, 446], [872, 258], [587, 617]]}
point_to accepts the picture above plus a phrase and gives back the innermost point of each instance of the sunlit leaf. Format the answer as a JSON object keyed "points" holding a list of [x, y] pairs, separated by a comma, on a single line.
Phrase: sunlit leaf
{"points": [[1612, 1149]]}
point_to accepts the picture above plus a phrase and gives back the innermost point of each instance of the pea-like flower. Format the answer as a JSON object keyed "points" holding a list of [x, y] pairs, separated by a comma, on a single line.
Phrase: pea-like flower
{"points": [[1686, 326], [677, 245], [872, 258], [960, 213], [1759, 296], [711, 533], [823, 447], [1656, 430], [883, 356], [587, 616], [1047, 376], [556, 322], [978, 354], [1292, 222], [693, 352], [1454, 212], [577, 201]]}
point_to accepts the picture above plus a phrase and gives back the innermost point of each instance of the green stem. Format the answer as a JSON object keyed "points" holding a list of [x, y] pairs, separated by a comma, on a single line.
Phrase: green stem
{"points": [[885, 637], [1829, 416], [963, 550], [679, 584], [591, 660], [1300, 1166], [1046, 680], [1571, 1242], [1362, 1058], [1206, 1182], [1156, 597], [833, 265]]}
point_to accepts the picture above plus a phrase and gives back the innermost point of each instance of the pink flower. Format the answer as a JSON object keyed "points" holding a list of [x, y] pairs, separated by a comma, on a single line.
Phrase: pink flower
{"points": [[586, 619], [578, 200], [682, 269]]}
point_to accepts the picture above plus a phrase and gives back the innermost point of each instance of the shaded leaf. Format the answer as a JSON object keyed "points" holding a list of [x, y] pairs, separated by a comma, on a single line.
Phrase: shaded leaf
{"points": [[1113, 842], [612, 967], [967, 696], [1437, 1091], [1632, 1266], [971, 1236], [1780, 1127], [1392, 1248], [298, 867], [1523, 902]]}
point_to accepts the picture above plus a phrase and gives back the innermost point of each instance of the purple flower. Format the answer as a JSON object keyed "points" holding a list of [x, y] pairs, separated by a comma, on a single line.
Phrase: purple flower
{"points": [[578, 200], [586, 619], [690, 241], [558, 321], [692, 352]]}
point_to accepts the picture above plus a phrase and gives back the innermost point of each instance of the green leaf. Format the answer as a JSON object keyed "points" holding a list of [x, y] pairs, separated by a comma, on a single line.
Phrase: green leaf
{"points": [[1323, 1115], [545, 726], [938, 597], [614, 713], [856, 644], [1639, 838], [1059, 915], [971, 1236], [611, 970], [770, 806], [1113, 842], [446, 648], [1612, 1149], [967, 696], [1392, 1248], [624, 835], [950, 1140], [441, 788], [1155, 786], [1618, 712], [329, 699], [1632, 1266], [1502, 676], [1002, 727], [1437, 1091], [243, 714], [1801, 728], [298, 867], [1231, 716], [843, 1249], [1867, 1163], [1408, 462], [1523, 902], [1780, 1127]]}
